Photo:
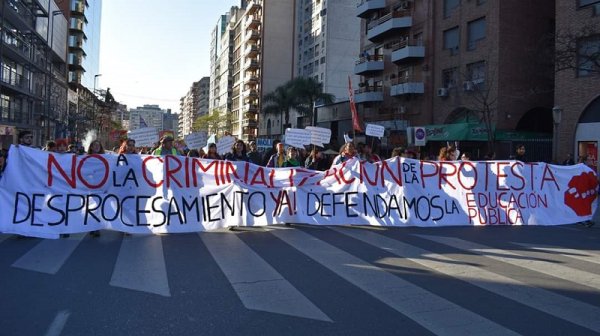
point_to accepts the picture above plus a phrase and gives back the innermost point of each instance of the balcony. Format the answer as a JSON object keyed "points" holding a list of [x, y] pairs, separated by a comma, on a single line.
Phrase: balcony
{"points": [[389, 24], [252, 80], [254, 35], [251, 50], [253, 7], [407, 86], [407, 49], [368, 65], [252, 22], [368, 95], [367, 7], [15, 81], [251, 115], [19, 15], [252, 123], [252, 65], [251, 108], [252, 94]]}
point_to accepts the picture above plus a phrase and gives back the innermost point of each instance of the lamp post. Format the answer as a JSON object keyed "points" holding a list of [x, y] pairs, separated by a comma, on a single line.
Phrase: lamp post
{"points": [[95, 97], [556, 118]]}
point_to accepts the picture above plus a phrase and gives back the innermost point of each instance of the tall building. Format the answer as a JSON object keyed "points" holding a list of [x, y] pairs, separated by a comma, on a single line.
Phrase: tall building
{"points": [[193, 105], [456, 62], [170, 122], [577, 93], [251, 54], [32, 82], [327, 41], [146, 116]]}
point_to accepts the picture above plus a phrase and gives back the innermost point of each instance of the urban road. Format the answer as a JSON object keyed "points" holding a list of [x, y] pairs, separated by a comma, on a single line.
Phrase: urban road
{"points": [[306, 280]]}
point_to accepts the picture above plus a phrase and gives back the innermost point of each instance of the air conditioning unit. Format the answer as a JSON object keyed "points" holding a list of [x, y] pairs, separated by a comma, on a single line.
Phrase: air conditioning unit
{"points": [[404, 5], [442, 92], [468, 86], [402, 109]]}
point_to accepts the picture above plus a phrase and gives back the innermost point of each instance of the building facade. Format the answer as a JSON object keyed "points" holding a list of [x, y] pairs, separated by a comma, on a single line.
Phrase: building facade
{"points": [[193, 105], [33, 78], [146, 116], [577, 92], [456, 62]]}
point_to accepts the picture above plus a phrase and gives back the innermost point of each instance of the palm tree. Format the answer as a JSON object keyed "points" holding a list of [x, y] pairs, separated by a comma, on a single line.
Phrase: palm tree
{"points": [[308, 92], [280, 101]]}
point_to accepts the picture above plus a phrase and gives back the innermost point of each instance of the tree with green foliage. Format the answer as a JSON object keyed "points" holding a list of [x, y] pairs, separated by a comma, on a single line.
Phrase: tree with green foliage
{"points": [[214, 122]]}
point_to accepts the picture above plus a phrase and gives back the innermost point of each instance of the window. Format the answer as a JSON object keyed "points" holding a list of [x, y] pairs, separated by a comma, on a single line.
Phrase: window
{"points": [[476, 32], [583, 3], [480, 2], [449, 77], [451, 39], [476, 74], [588, 56], [449, 6]]}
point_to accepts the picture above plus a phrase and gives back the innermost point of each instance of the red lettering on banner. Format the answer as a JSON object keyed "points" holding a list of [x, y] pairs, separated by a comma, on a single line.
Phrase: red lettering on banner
{"points": [[197, 164], [424, 175], [518, 175], [443, 174], [230, 169], [53, 162], [145, 171], [170, 173], [106, 171], [305, 175], [385, 166], [499, 175], [186, 167], [330, 172], [259, 177], [550, 178], [342, 177], [531, 171], [475, 174], [364, 176], [487, 173], [471, 200]]}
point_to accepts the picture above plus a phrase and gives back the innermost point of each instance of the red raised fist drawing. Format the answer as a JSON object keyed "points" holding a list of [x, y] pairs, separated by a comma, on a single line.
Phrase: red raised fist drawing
{"points": [[582, 192]]}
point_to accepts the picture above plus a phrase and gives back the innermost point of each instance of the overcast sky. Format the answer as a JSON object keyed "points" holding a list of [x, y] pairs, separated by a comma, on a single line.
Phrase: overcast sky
{"points": [[151, 51]]}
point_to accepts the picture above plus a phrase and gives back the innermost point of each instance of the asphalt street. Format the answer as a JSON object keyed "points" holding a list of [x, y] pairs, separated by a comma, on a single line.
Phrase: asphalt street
{"points": [[306, 280]]}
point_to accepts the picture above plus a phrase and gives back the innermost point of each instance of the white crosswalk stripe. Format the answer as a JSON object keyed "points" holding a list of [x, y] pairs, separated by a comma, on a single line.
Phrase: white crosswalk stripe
{"points": [[437, 314], [589, 256], [522, 259], [141, 265], [258, 285], [577, 312], [49, 255]]}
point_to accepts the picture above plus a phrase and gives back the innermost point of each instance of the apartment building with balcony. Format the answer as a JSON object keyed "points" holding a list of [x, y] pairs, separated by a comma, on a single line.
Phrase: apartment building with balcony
{"points": [[193, 105], [146, 116], [577, 82], [327, 41], [445, 62], [221, 61], [32, 82]]}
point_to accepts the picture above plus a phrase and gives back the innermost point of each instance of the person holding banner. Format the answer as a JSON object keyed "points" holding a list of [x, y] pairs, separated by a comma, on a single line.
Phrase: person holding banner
{"points": [[292, 158], [276, 160], [347, 152], [166, 146], [238, 152], [95, 148], [127, 147], [253, 154], [316, 161], [366, 154], [212, 152]]}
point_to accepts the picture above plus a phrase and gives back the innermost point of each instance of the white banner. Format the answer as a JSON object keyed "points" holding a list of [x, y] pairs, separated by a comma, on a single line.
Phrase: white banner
{"points": [[196, 140], [144, 137], [64, 193], [225, 144]]}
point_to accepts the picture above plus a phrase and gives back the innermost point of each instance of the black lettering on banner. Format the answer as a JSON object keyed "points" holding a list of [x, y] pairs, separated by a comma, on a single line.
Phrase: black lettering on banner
{"points": [[262, 206], [323, 204], [191, 206], [208, 208], [349, 204], [122, 158], [18, 198], [69, 209], [114, 205], [316, 202], [123, 210], [34, 209], [90, 208], [379, 200], [141, 209], [240, 195], [393, 205], [435, 206], [174, 211], [374, 208], [131, 176], [158, 209], [230, 206], [55, 209], [335, 200]]}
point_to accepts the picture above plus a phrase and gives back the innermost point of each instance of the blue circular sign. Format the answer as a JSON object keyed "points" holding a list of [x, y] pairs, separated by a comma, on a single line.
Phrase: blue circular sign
{"points": [[420, 134]]}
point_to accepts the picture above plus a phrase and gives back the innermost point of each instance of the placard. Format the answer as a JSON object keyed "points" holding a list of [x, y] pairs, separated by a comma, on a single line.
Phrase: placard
{"points": [[319, 136], [224, 144], [196, 140], [296, 137], [375, 130], [144, 137]]}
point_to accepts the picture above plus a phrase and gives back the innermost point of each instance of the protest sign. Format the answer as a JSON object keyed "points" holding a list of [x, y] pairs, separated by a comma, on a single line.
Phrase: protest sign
{"points": [[375, 130], [63, 193], [196, 140], [296, 137], [224, 144], [144, 137], [319, 136]]}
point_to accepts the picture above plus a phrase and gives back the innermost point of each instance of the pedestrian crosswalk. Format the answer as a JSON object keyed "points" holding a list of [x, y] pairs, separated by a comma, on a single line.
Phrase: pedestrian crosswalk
{"points": [[526, 274]]}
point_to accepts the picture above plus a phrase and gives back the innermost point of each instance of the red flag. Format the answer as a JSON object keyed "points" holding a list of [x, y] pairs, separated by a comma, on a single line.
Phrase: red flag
{"points": [[355, 121]]}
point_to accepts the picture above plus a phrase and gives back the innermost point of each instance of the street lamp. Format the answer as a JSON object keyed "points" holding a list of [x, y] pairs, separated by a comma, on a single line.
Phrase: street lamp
{"points": [[95, 97], [556, 118]]}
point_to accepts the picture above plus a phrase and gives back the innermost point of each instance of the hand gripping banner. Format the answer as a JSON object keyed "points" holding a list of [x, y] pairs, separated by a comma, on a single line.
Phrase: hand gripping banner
{"points": [[44, 194]]}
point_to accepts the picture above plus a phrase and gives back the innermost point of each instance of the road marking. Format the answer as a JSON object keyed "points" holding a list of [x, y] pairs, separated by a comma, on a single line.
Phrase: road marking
{"points": [[563, 307], [437, 314], [49, 255], [58, 323], [258, 285], [4, 237], [587, 256], [554, 270], [141, 266]]}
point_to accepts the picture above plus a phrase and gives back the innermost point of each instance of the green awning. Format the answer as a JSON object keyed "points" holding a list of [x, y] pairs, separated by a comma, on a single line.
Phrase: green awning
{"points": [[476, 132]]}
